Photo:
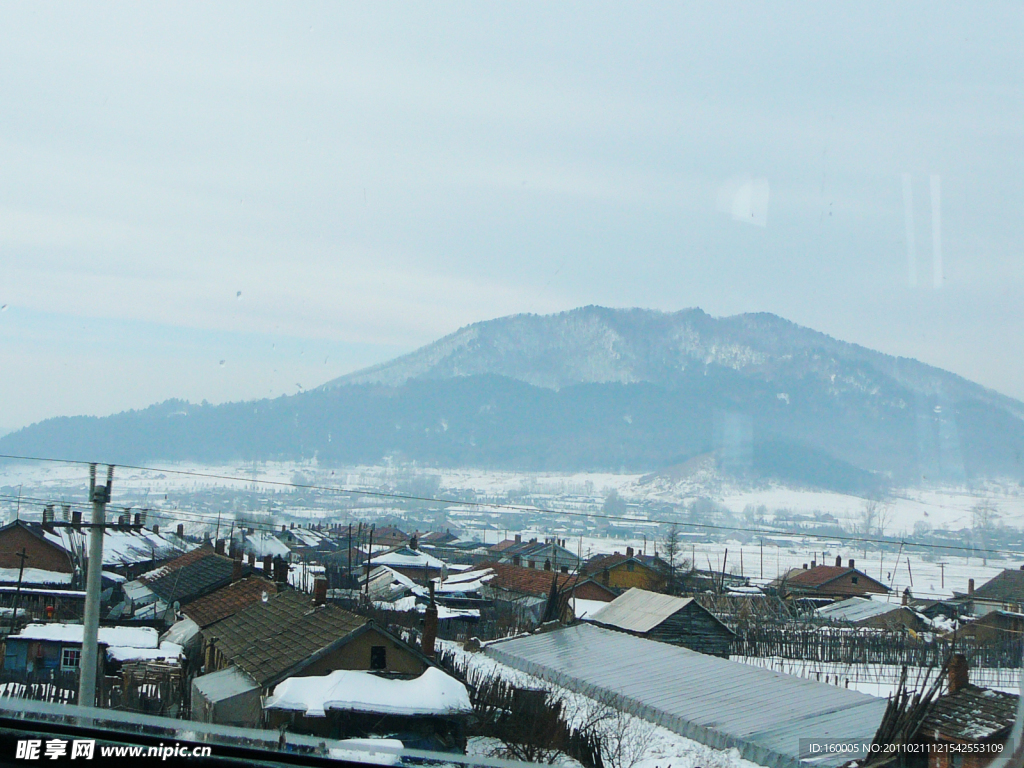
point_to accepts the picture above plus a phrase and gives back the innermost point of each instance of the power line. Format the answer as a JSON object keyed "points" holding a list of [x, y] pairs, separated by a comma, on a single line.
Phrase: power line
{"points": [[529, 509]]}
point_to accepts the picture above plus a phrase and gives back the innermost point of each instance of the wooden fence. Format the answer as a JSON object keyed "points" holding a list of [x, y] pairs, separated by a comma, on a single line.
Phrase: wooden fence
{"points": [[852, 646]]}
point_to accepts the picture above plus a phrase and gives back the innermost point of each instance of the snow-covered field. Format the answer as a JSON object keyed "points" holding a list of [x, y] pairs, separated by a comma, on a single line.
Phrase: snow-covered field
{"points": [[928, 572]]}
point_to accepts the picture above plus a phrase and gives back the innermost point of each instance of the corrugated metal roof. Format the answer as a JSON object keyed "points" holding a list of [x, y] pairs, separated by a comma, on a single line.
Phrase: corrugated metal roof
{"points": [[720, 703], [639, 610], [856, 609]]}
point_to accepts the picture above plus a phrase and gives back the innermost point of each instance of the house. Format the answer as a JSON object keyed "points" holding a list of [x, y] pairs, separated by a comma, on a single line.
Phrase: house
{"points": [[862, 612], [180, 581], [995, 626], [1003, 592], [678, 621], [414, 563], [228, 600], [390, 536], [551, 554], [126, 551], [285, 636], [834, 582], [978, 721], [54, 648], [430, 710], [622, 572]]}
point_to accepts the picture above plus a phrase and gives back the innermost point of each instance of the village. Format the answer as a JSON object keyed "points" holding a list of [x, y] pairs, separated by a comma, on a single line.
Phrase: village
{"points": [[527, 647]]}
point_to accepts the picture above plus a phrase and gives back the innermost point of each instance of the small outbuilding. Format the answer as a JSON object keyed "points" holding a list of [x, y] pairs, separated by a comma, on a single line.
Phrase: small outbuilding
{"points": [[678, 621]]}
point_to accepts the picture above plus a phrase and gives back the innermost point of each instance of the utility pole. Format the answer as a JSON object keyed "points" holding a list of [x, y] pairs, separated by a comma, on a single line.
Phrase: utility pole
{"points": [[17, 594], [99, 495]]}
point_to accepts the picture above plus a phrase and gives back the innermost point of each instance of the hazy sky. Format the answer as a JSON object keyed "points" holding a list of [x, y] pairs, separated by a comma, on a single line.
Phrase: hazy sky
{"points": [[226, 201]]}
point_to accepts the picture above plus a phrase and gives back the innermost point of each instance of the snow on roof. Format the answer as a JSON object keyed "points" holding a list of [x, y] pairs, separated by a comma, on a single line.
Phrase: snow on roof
{"points": [[471, 581], [34, 576], [166, 652], [443, 611], [181, 632], [585, 609], [638, 610], [264, 544], [127, 637], [120, 547], [432, 693], [225, 684], [408, 558], [856, 609]]}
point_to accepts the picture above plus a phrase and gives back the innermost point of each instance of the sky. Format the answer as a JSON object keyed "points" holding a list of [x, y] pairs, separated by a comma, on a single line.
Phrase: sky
{"points": [[218, 201]]}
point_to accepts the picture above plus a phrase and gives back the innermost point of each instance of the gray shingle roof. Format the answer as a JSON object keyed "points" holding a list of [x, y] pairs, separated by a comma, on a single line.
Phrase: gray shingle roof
{"points": [[639, 610], [190, 576], [271, 640], [971, 714], [1008, 586], [717, 702]]}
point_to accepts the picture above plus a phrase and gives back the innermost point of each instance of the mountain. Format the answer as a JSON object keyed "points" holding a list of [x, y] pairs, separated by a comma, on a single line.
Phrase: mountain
{"points": [[598, 388]]}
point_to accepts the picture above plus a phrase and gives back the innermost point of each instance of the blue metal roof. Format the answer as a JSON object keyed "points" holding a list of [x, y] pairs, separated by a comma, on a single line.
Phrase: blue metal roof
{"points": [[723, 704]]}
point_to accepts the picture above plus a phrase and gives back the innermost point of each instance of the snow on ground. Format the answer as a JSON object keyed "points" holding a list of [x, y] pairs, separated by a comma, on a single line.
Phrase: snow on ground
{"points": [[635, 742]]}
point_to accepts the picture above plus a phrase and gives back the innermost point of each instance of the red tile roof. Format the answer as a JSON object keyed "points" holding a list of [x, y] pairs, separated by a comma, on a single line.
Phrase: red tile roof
{"points": [[227, 601], [820, 575]]}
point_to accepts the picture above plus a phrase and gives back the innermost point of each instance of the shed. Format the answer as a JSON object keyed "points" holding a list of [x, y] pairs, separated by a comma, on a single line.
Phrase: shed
{"points": [[228, 697], [676, 620], [720, 703]]}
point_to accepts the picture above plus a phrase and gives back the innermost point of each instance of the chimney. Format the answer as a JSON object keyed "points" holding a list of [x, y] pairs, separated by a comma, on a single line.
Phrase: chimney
{"points": [[629, 551], [320, 591], [547, 564], [293, 526], [280, 570], [839, 561], [218, 547], [851, 562], [970, 587], [252, 559], [906, 596], [156, 529], [268, 564], [814, 564], [284, 528], [429, 625], [805, 566], [959, 675], [236, 569], [138, 518], [76, 518], [414, 543], [519, 538], [181, 530]]}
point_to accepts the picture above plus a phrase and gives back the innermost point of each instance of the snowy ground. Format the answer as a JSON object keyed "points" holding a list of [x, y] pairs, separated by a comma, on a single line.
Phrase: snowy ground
{"points": [[632, 742]]}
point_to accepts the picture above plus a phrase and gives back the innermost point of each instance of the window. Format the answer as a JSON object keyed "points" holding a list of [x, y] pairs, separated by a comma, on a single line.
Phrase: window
{"points": [[854, 579], [70, 658], [629, 566], [564, 569], [379, 657]]}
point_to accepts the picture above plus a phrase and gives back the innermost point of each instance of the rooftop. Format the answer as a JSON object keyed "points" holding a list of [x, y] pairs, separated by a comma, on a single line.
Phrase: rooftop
{"points": [[228, 600], [638, 610], [971, 714]]}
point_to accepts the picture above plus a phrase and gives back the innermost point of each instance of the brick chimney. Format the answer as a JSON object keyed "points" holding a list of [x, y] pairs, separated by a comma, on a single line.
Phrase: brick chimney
{"points": [[851, 562], [236, 568], [268, 564], [629, 551], [76, 519], [181, 530], [138, 518], [280, 570], [320, 591], [547, 564], [839, 561], [906, 596], [970, 587], [814, 563], [519, 538], [429, 625], [218, 546], [959, 675], [156, 529]]}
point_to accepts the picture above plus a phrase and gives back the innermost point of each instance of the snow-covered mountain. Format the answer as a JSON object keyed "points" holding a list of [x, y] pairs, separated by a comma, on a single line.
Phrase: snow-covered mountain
{"points": [[603, 389], [597, 345]]}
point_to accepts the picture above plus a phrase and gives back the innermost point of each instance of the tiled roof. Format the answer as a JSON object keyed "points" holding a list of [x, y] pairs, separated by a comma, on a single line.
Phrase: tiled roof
{"points": [[228, 600], [971, 714], [190, 576], [820, 575], [600, 562], [271, 640], [527, 581], [1008, 586], [502, 546]]}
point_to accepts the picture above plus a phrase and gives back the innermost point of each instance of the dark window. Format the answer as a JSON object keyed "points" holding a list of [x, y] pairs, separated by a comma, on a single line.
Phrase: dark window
{"points": [[564, 569], [854, 579], [378, 657], [629, 566]]}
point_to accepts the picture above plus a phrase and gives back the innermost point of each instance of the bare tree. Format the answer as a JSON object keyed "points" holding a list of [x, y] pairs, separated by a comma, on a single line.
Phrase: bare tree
{"points": [[625, 739], [671, 544], [875, 517]]}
